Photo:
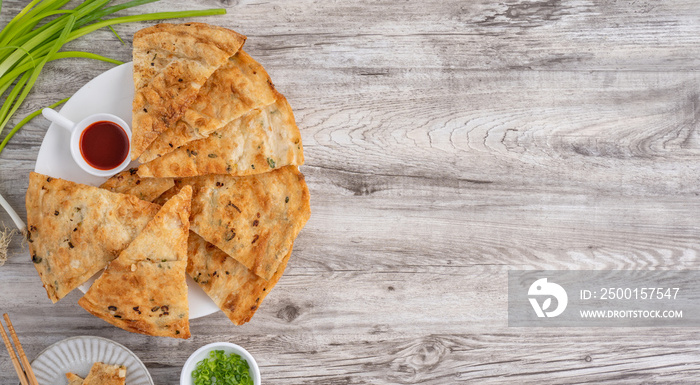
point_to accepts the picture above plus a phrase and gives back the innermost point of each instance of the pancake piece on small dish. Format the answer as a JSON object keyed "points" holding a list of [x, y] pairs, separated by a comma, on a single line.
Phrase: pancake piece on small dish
{"points": [[100, 374]]}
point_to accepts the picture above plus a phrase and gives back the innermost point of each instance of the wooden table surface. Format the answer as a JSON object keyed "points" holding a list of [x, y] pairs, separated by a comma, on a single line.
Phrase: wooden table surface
{"points": [[447, 142]]}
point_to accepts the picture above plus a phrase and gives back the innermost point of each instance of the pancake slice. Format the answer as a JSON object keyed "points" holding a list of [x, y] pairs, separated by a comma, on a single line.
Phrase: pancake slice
{"points": [[254, 219], [239, 86], [235, 289], [258, 142], [129, 182], [164, 197], [104, 374], [171, 63], [75, 229], [74, 379], [144, 290]]}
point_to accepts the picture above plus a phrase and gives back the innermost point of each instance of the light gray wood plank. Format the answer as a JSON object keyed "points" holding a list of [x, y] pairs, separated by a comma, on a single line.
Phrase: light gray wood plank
{"points": [[446, 143]]}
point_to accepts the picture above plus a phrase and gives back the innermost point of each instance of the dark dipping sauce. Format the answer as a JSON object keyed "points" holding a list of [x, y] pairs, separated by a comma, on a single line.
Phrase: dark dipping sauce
{"points": [[104, 145]]}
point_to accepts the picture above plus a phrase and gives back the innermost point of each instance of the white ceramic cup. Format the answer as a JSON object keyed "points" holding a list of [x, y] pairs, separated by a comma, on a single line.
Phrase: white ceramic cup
{"points": [[227, 347], [76, 130]]}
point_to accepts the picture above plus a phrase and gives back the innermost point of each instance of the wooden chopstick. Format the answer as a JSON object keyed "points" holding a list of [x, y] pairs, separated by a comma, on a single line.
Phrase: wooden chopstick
{"points": [[30, 379], [13, 356], [22, 357]]}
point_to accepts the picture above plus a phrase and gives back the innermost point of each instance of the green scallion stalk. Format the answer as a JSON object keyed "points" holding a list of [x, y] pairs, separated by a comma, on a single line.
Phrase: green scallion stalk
{"points": [[26, 120], [13, 95], [57, 44], [19, 16], [44, 38], [115, 8], [25, 30], [36, 34], [9, 77], [26, 24]]}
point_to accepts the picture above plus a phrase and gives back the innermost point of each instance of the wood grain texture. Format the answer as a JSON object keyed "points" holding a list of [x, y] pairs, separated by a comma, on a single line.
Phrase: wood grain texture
{"points": [[446, 143]]}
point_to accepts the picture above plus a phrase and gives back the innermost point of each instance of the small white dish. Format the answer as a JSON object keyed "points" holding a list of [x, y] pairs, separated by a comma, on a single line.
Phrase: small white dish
{"points": [[76, 137], [227, 347], [77, 354]]}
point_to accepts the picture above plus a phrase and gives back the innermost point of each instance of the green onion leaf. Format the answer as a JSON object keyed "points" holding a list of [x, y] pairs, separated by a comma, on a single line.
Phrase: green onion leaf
{"points": [[35, 73], [26, 120]]}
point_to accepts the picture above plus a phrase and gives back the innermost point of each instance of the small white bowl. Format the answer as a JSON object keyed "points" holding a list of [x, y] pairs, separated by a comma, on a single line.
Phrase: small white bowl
{"points": [[227, 347], [76, 130]]}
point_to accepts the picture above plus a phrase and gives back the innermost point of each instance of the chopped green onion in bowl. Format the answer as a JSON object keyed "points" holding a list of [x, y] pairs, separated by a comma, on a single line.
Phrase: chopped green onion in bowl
{"points": [[233, 355], [222, 369]]}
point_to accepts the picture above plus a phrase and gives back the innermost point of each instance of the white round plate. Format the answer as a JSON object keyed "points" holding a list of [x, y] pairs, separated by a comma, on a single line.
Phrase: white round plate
{"points": [[77, 354], [111, 92]]}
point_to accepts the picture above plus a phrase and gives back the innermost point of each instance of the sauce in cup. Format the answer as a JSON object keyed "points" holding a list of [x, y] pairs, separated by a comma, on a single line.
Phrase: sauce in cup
{"points": [[99, 144], [104, 145]]}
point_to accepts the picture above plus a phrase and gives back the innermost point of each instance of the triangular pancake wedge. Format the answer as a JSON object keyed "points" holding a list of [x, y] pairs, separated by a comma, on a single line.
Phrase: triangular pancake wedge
{"points": [[102, 374], [74, 379], [171, 63], [129, 182], [144, 290], [75, 229], [258, 142], [235, 289], [236, 88], [254, 219]]}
